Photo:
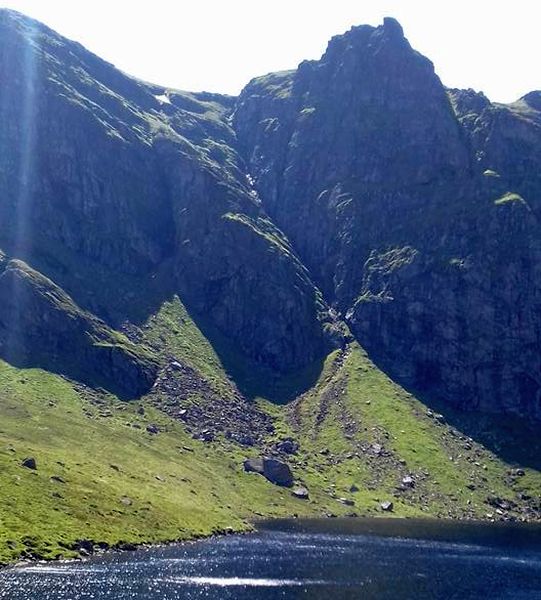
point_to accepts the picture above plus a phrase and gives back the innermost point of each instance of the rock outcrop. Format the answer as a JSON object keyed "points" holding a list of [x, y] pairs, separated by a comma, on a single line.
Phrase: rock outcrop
{"points": [[422, 210], [40, 325]]}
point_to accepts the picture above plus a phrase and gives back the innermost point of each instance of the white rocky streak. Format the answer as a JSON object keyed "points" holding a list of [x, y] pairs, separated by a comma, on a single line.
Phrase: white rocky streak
{"points": [[163, 99]]}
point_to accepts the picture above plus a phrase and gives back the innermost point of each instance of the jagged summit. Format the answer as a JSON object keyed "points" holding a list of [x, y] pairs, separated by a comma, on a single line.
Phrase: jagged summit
{"points": [[398, 177], [384, 39], [393, 27]]}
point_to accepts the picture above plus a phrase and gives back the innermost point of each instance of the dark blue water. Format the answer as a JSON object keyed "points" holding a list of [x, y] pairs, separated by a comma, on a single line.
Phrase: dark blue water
{"points": [[307, 559]]}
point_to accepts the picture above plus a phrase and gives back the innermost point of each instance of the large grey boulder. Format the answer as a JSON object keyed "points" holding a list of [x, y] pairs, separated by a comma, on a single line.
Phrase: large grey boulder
{"points": [[274, 470]]}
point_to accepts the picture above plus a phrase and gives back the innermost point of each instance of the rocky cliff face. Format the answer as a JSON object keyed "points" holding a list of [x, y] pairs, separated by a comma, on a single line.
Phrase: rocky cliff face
{"points": [[106, 180], [356, 182], [422, 211], [367, 124]]}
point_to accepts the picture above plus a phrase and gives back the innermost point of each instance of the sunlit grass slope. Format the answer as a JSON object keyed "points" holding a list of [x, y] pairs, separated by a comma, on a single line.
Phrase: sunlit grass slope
{"points": [[361, 429], [102, 476]]}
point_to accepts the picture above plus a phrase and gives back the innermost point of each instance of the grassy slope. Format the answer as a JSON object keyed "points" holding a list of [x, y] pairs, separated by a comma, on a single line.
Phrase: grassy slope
{"points": [[121, 483], [171, 331], [356, 405], [174, 493]]}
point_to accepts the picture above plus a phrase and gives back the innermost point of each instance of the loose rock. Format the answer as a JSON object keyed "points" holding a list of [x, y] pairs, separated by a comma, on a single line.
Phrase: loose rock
{"points": [[30, 463], [301, 492], [288, 445]]}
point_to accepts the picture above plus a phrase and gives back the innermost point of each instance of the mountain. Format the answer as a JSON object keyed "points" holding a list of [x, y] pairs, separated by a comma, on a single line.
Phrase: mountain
{"points": [[340, 270], [175, 201], [422, 205]]}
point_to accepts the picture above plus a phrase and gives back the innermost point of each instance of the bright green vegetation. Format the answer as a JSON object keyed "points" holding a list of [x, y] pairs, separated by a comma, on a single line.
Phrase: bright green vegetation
{"points": [[117, 482], [355, 406], [172, 331], [102, 476]]}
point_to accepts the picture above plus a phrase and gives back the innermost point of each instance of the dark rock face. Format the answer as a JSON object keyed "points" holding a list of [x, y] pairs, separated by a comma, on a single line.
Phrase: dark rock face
{"points": [[356, 182], [369, 118], [413, 236], [104, 184], [457, 312]]}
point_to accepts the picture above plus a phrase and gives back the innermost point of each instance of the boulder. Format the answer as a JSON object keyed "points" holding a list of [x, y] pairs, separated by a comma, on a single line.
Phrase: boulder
{"points": [[288, 446], [387, 506], [277, 472], [274, 470], [29, 463], [301, 493]]}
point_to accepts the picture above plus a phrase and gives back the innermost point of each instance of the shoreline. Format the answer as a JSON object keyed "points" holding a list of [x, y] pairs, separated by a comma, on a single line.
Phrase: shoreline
{"points": [[121, 547]]}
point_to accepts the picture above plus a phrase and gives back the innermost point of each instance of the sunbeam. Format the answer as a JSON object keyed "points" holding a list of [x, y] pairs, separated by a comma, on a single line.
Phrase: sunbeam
{"points": [[19, 94]]}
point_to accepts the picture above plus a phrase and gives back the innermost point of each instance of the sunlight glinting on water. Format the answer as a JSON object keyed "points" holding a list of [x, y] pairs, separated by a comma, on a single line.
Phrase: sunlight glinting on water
{"points": [[243, 581]]}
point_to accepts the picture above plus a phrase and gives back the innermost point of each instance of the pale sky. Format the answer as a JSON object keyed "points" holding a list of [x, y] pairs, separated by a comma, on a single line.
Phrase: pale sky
{"points": [[218, 45]]}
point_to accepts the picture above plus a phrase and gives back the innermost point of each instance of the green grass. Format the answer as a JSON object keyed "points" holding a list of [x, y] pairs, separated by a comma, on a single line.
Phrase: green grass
{"points": [[173, 493], [119, 483], [357, 405], [173, 332]]}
